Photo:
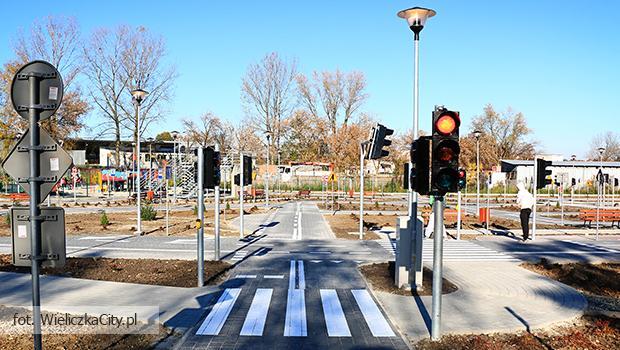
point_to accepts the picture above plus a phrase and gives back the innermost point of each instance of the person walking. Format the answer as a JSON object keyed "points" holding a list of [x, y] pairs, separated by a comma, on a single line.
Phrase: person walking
{"points": [[525, 200]]}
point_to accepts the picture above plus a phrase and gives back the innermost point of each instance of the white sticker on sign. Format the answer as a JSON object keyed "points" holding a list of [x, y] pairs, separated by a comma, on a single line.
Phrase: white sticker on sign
{"points": [[22, 231], [54, 166], [53, 93]]}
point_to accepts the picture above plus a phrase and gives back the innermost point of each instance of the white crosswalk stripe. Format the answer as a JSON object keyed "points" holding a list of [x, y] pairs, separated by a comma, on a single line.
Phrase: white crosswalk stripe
{"points": [[336, 321], [389, 245], [464, 251], [594, 246], [240, 255]]}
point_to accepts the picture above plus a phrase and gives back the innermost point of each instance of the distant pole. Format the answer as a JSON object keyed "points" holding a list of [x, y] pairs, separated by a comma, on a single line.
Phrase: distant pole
{"points": [[601, 150], [267, 172], [534, 189], [217, 214], [201, 217], [361, 233], [458, 216], [477, 135], [241, 195]]}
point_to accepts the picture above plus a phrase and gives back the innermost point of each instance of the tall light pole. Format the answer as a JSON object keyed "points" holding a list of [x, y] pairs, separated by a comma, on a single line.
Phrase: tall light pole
{"points": [[138, 96], [477, 135], [601, 150], [150, 141], [416, 18], [268, 134], [175, 135]]}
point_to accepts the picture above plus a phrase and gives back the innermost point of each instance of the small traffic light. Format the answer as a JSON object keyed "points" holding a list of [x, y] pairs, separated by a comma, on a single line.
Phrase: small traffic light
{"points": [[573, 182], [420, 159], [212, 161], [406, 175], [606, 177], [446, 150], [462, 178], [615, 182], [378, 141], [247, 172], [542, 173]]}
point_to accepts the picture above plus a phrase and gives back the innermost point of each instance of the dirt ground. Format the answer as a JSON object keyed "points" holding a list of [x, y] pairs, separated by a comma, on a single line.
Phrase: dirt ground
{"points": [[381, 277], [599, 279], [82, 341], [369, 204], [173, 273], [592, 333], [182, 223], [342, 224]]}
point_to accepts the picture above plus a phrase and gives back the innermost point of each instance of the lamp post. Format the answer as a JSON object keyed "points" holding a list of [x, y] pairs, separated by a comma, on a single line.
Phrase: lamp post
{"points": [[477, 135], [601, 150], [416, 18], [150, 141], [138, 96], [573, 158], [175, 135], [268, 133]]}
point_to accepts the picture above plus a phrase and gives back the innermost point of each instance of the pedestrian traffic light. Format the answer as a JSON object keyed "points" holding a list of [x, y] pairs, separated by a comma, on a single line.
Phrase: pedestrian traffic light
{"points": [[420, 160], [406, 175], [615, 182], [247, 172], [378, 141], [543, 176], [573, 182], [212, 161], [462, 178], [606, 177], [446, 150]]}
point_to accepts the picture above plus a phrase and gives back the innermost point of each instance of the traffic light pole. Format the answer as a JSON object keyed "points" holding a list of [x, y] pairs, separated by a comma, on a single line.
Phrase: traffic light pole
{"points": [[241, 187], [535, 201], [201, 217], [217, 214], [437, 267], [35, 210], [362, 145]]}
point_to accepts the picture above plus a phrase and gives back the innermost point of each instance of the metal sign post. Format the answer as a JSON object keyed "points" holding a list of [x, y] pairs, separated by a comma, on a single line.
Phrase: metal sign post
{"points": [[241, 194], [458, 216], [535, 182], [217, 213], [36, 94], [437, 267], [362, 145], [201, 216]]}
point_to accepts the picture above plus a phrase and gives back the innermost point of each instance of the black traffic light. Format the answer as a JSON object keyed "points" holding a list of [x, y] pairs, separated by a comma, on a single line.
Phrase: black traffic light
{"points": [[542, 173], [446, 150], [406, 175], [212, 161], [247, 172], [378, 141], [420, 158], [573, 182], [462, 178]]}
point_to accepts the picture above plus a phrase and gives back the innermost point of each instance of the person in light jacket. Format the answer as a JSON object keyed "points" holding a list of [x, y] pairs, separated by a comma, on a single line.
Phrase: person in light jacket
{"points": [[525, 200]]}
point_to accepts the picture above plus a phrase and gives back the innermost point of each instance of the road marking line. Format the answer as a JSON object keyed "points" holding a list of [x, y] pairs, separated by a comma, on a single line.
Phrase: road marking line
{"points": [[360, 253], [254, 323], [335, 321], [336, 261], [379, 327], [302, 278], [318, 252], [299, 230], [315, 261], [245, 276], [279, 277], [212, 325], [291, 276], [295, 322]]}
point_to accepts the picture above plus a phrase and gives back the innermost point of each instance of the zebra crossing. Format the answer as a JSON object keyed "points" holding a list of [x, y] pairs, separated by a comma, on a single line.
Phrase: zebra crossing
{"points": [[610, 246], [454, 250], [239, 255]]}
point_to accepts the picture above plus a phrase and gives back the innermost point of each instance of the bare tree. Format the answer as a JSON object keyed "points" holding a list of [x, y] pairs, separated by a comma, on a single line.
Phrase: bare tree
{"points": [[207, 132], [610, 141], [103, 58], [331, 95], [266, 93], [57, 41], [504, 137], [144, 67]]}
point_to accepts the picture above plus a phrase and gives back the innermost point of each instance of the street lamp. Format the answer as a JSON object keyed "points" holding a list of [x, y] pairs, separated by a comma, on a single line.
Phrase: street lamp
{"points": [[175, 135], [268, 133], [416, 18], [477, 135], [138, 96], [150, 141]]}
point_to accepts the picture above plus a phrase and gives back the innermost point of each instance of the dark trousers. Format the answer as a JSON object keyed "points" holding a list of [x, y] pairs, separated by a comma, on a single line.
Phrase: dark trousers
{"points": [[525, 222]]}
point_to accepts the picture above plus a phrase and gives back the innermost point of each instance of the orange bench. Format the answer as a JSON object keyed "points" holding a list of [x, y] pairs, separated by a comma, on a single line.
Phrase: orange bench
{"points": [[448, 214], [604, 215], [303, 193]]}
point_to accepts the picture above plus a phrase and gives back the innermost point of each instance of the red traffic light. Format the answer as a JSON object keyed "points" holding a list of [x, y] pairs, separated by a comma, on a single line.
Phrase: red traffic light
{"points": [[447, 123], [447, 151]]}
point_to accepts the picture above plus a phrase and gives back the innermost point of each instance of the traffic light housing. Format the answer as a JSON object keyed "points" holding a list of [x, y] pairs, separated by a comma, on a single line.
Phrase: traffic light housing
{"points": [[462, 178], [378, 141], [542, 173], [446, 150], [573, 182], [420, 159], [247, 172], [406, 175], [212, 162]]}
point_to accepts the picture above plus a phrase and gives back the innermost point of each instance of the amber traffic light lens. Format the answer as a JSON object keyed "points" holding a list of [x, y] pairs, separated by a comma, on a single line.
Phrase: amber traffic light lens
{"points": [[446, 154], [446, 124]]}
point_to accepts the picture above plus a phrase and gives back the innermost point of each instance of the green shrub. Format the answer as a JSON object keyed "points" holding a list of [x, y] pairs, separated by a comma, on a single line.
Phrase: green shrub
{"points": [[104, 220], [7, 218], [227, 205], [148, 213]]}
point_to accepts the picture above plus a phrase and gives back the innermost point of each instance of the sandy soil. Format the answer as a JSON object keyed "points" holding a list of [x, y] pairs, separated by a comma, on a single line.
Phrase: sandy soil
{"points": [[381, 277]]}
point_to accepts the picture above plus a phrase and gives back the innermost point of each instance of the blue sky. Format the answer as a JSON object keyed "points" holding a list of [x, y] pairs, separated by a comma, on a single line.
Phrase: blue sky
{"points": [[558, 62]]}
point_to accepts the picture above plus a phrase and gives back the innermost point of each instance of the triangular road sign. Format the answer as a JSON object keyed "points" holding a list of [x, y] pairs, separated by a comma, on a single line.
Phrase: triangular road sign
{"points": [[54, 163]]}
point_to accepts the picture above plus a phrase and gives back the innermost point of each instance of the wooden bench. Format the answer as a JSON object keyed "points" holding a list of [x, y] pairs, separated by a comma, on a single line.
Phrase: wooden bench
{"points": [[19, 197], [604, 215], [303, 193], [450, 215]]}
